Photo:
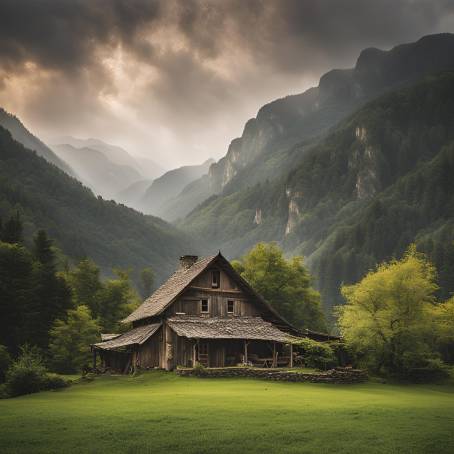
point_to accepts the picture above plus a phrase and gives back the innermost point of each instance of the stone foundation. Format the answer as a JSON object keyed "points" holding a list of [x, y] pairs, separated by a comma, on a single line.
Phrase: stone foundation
{"points": [[339, 375]]}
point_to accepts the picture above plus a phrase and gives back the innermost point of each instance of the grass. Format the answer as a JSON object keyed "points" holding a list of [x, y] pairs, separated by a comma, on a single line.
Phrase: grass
{"points": [[160, 412]]}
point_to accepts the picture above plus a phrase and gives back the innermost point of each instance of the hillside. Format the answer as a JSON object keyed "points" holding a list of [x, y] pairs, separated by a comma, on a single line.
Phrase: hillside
{"points": [[27, 139], [158, 197], [82, 224], [265, 151], [379, 181], [98, 171]]}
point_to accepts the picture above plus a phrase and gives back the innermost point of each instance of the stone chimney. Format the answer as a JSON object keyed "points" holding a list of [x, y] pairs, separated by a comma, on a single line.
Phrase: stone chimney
{"points": [[186, 261]]}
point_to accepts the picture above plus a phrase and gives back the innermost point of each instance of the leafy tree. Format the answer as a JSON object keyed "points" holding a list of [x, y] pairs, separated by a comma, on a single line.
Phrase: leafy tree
{"points": [[12, 230], [444, 316], [285, 284], [86, 285], [147, 281], [388, 320], [117, 299], [71, 339]]}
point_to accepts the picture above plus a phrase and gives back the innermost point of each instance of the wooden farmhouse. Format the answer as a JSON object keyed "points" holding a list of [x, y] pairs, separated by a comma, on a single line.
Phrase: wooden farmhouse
{"points": [[205, 313]]}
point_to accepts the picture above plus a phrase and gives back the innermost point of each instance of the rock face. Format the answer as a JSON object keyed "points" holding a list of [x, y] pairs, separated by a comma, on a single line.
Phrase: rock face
{"points": [[294, 211]]}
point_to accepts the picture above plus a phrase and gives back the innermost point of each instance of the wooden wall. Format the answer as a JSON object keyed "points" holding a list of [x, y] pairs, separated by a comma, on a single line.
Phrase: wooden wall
{"points": [[148, 354], [189, 302]]}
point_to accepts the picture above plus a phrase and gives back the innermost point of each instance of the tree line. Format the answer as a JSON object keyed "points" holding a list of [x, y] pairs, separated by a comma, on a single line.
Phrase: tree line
{"points": [[58, 309]]}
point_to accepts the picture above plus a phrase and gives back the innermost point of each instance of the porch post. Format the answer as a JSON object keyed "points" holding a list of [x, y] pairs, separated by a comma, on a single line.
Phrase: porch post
{"points": [[274, 354], [245, 351], [94, 359], [194, 354], [291, 355]]}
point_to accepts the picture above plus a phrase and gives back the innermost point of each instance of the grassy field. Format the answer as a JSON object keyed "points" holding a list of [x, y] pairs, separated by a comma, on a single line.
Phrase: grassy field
{"points": [[160, 412]]}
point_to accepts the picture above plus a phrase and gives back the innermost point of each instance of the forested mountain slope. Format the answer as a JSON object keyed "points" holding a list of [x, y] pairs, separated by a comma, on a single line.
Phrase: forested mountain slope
{"points": [[266, 148], [381, 180], [80, 223], [26, 138]]}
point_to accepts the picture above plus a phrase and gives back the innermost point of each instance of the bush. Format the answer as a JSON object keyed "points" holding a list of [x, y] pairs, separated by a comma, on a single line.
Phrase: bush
{"points": [[55, 382], [422, 369], [199, 370], [27, 374], [317, 354], [5, 361]]}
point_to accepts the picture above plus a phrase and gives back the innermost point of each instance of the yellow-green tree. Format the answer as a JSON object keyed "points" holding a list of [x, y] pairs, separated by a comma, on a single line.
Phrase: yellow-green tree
{"points": [[389, 318], [444, 317], [285, 284]]}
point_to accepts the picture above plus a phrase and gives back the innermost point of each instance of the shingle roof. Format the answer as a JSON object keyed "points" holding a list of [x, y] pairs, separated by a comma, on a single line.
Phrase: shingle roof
{"points": [[168, 291], [108, 337], [135, 336], [254, 328]]}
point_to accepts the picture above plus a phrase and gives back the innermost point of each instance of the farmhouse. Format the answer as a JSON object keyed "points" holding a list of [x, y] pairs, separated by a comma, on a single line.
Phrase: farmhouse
{"points": [[205, 313]]}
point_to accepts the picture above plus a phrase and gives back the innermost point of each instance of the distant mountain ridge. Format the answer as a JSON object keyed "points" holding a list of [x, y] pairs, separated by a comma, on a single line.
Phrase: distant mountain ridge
{"points": [[96, 170], [146, 167], [26, 138], [159, 196]]}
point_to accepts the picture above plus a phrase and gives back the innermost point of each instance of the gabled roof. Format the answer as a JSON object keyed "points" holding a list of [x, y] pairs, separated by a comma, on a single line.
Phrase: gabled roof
{"points": [[253, 328], [136, 336], [168, 291], [182, 278]]}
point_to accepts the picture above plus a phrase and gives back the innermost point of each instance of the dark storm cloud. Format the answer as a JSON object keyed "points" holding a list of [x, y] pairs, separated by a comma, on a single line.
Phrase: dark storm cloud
{"points": [[192, 69], [63, 34]]}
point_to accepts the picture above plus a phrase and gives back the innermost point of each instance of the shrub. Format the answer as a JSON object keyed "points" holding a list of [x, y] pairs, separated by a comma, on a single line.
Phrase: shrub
{"points": [[53, 381], [317, 354], [418, 368], [199, 369], [27, 374], [5, 361]]}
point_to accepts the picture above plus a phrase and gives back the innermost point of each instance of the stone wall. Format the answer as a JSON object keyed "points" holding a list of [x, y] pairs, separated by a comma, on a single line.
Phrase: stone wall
{"points": [[338, 375]]}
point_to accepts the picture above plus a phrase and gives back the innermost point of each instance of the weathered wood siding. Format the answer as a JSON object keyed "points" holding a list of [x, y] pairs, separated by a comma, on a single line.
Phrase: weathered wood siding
{"points": [[190, 302], [148, 354]]}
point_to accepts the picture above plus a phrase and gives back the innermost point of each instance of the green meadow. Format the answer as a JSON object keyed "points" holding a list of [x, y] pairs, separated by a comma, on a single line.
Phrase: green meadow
{"points": [[160, 412]]}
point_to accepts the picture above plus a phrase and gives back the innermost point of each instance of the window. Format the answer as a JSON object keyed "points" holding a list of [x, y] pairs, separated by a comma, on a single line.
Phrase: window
{"points": [[230, 307], [204, 306], [215, 279]]}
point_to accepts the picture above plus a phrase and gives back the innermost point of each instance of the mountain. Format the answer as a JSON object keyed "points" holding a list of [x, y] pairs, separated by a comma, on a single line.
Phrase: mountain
{"points": [[160, 194], [80, 223], [146, 167], [266, 148], [379, 181], [26, 138], [132, 194], [104, 176]]}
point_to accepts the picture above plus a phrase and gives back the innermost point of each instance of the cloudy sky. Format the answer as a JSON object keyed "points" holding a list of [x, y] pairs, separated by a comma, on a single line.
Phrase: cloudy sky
{"points": [[176, 80]]}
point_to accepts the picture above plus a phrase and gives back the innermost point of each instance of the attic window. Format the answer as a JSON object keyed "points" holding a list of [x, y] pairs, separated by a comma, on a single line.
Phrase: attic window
{"points": [[215, 279], [230, 306], [204, 306]]}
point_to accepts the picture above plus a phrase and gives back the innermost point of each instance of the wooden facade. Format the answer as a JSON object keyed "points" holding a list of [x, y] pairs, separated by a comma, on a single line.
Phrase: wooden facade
{"points": [[204, 314]]}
